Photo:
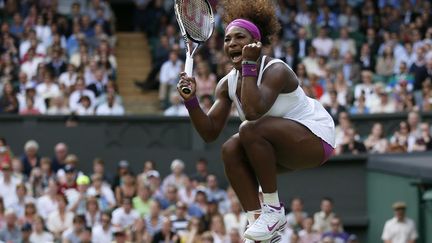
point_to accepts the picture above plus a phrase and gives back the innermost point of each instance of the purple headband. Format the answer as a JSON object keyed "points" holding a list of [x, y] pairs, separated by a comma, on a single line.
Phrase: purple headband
{"points": [[246, 24]]}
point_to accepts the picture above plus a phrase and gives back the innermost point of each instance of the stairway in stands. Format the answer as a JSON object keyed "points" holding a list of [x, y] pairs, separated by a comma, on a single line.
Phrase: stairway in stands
{"points": [[134, 60]]}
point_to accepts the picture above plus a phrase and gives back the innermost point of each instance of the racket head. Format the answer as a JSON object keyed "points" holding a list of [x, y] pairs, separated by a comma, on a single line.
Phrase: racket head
{"points": [[195, 19]]}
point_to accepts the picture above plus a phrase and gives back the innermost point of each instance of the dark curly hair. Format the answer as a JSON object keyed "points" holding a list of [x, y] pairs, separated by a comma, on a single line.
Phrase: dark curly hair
{"points": [[260, 12]]}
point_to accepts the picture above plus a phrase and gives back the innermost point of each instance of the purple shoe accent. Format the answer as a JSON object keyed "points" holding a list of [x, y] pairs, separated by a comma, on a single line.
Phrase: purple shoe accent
{"points": [[276, 208], [328, 151], [270, 228]]}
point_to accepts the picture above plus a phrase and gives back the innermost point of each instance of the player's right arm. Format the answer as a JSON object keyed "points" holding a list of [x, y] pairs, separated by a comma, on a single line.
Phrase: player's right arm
{"points": [[209, 125]]}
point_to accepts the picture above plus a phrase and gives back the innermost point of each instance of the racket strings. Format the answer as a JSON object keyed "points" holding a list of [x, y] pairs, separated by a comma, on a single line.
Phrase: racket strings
{"points": [[197, 19]]}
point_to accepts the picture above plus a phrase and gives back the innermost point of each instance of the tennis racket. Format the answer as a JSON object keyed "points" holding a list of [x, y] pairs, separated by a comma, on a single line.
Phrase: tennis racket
{"points": [[196, 22]]}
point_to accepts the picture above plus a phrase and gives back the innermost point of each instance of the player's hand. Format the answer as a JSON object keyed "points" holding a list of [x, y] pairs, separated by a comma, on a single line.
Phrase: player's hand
{"points": [[189, 82], [252, 52]]}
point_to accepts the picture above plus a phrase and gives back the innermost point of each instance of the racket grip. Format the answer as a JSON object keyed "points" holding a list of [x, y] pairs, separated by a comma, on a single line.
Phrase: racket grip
{"points": [[188, 71], [188, 65]]}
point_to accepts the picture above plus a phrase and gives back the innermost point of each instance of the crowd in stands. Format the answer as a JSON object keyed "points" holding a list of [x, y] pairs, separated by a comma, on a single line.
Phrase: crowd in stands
{"points": [[57, 58], [47, 198]]}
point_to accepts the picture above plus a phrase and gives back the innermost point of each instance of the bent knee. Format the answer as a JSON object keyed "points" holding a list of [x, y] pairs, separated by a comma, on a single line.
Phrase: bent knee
{"points": [[248, 131], [232, 151]]}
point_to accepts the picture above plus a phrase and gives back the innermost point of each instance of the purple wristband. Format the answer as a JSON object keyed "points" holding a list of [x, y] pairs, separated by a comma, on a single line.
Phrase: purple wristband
{"points": [[192, 103], [249, 70]]}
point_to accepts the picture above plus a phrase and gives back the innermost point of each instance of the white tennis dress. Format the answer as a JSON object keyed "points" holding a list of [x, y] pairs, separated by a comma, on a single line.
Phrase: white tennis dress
{"points": [[295, 106]]}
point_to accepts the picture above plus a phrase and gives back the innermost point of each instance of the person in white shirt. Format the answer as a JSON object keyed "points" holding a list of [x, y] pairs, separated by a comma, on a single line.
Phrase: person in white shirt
{"points": [[68, 78], [236, 219], [8, 186], [125, 215], [80, 90], [85, 107], [168, 76], [39, 234], [30, 66], [61, 219], [177, 107], [110, 107], [30, 92], [322, 219], [323, 43], [47, 203], [103, 232], [399, 229], [48, 89]]}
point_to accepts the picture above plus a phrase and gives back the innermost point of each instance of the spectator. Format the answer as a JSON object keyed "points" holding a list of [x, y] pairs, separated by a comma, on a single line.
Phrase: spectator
{"points": [[179, 220], [307, 234], [385, 64], [399, 139], [127, 188], [110, 107], [376, 142], [322, 219], [155, 220], [337, 233], [235, 219], [166, 233], [334, 107], [344, 43], [8, 100], [11, 232], [72, 234], [79, 92], [201, 171], [142, 201], [60, 153], [22, 199], [8, 186], [99, 168], [218, 230], [103, 193], [26, 231], [103, 232], [85, 106], [323, 43], [206, 80], [386, 104], [424, 142], [297, 215], [60, 220], [48, 203], [168, 77], [177, 107], [400, 228], [350, 69], [351, 145], [125, 215], [177, 176]]}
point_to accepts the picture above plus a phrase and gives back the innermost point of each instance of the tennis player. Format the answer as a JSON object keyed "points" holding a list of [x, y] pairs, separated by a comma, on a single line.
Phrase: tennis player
{"points": [[282, 130]]}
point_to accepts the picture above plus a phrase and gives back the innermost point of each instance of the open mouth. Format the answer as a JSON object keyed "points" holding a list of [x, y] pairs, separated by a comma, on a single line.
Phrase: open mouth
{"points": [[236, 56]]}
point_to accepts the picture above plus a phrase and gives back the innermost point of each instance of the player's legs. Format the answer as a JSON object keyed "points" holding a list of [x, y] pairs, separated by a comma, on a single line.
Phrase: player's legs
{"points": [[270, 143], [240, 174]]}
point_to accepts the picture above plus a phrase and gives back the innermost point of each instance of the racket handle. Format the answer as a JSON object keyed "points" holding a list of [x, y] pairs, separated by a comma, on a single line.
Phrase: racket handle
{"points": [[188, 71]]}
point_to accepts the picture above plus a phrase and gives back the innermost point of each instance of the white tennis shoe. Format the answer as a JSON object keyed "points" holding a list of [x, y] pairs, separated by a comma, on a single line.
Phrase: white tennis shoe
{"points": [[271, 220], [276, 238]]}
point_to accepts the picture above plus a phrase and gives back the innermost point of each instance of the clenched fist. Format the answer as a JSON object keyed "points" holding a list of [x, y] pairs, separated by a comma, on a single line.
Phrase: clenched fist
{"points": [[252, 51]]}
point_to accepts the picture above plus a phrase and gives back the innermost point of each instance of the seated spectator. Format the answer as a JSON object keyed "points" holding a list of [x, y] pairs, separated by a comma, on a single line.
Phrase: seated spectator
{"points": [[359, 106], [179, 220], [102, 192], [127, 188], [177, 175], [322, 219], [58, 106], [110, 107], [344, 43], [217, 229], [205, 79], [8, 186], [307, 233], [8, 100], [22, 199], [343, 124], [169, 200], [366, 87], [30, 92], [333, 107], [166, 233], [297, 215], [103, 232], [334, 62], [124, 216], [68, 78], [30, 108], [29, 215], [48, 203], [60, 220], [323, 43], [366, 58], [10, 232], [399, 139], [385, 64], [424, 142], [350, 69], [375, 142], [40, 234], [336, 233], [177, 107], [400, 227], [310, 62], [80, 90], [72, 234], [386, 104], [85, 106], [350, 144], [236, 218], [155, 219], [142, 201], [169, 73]]}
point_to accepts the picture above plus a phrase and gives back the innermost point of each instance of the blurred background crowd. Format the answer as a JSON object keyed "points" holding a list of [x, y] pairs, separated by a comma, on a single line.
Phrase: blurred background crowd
{"points": [[47, 198]]}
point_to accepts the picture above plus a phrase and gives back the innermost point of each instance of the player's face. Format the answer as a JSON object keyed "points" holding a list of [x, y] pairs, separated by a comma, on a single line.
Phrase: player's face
{"points": [[235, 39]]}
